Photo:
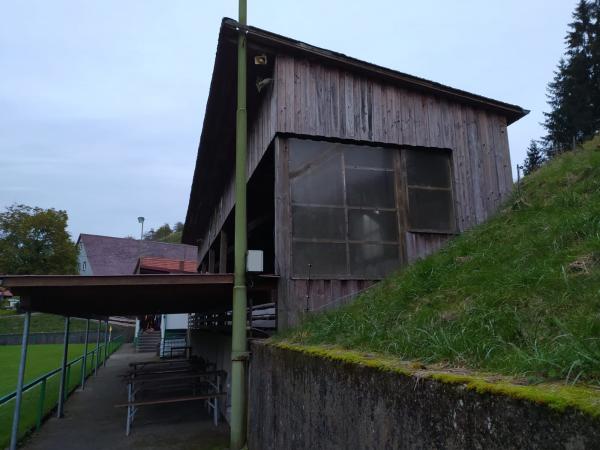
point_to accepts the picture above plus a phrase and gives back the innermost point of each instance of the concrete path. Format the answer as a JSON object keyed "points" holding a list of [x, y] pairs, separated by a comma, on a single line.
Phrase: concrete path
{"points": [[92, 422]]}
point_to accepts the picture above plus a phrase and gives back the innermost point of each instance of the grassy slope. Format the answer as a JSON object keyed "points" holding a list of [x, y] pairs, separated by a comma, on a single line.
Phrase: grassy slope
{"points": [[11, 324], [519, 295]]}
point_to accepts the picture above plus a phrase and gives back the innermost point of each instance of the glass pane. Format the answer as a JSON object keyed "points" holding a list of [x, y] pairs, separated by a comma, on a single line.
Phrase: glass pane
{"points": [[318, 222], [372, 188], [369, 225], [430, 210], [366, 156], [306, 151], [319, 183], [373, 260], [428, 168], [326, 259]]}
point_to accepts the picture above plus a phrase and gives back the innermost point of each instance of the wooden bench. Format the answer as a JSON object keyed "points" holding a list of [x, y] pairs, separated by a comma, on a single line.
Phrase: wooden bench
{"points": [[157, 382]]}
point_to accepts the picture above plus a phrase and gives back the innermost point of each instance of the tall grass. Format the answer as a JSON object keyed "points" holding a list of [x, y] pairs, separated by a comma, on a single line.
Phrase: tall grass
{"points": [[517, 295]]}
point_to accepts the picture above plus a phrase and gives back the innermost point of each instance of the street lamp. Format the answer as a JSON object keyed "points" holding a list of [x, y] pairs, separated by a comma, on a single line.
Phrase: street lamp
{"points": [[141, 221]]}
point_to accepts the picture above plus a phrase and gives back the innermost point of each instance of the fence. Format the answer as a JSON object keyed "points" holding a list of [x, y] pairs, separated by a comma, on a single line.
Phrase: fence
{"points": [[40, 396], [75, 337]]}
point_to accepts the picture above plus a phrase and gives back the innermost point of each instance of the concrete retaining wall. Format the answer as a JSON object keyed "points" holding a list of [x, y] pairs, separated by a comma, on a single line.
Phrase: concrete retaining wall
{"points": [[298, 401]]}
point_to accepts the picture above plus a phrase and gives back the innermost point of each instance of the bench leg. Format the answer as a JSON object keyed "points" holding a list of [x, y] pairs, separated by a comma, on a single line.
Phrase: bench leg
{"points": [[129, 410]]}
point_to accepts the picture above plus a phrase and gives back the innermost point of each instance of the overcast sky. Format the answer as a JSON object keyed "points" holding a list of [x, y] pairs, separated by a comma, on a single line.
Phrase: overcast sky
{"points": [[102, 102]]}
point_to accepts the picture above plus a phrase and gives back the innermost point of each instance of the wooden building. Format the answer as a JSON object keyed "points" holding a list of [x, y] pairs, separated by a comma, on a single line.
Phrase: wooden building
{"points": [[354, 170]]}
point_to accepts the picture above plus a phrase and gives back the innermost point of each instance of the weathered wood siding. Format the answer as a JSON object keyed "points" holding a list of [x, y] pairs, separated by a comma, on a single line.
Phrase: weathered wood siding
{"points": [[315, 100], [261, 132], [308, 98], [324, 101]]}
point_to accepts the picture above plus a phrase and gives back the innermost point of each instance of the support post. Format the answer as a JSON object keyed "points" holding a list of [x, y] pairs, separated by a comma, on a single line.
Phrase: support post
{"points": [[41, 403], [14, 436], [223, 253], [238, 340], [85, 352], [97, 355], [105, 343], [60, 411]]}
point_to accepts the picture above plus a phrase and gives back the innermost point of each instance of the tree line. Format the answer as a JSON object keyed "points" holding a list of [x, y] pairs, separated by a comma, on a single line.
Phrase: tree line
{"points": [[165, 233], [574, 92]]}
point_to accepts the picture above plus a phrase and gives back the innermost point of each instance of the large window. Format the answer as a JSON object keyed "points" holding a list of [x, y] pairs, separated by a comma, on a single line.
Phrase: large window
{"points": [[344, 213], [429, 191]]}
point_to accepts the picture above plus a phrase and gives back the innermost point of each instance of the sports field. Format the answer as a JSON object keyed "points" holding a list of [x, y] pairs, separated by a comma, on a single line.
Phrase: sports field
{"points": [[40, 360]]}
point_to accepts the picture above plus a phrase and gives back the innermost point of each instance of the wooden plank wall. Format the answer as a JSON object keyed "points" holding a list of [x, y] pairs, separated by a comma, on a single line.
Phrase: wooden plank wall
{"points": [[261, 132], [310, 99], [324, 101]]}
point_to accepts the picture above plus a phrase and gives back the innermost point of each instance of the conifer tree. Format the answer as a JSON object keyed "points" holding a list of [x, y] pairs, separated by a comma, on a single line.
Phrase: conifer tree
{"points": [[574, 93], [534, 159]]}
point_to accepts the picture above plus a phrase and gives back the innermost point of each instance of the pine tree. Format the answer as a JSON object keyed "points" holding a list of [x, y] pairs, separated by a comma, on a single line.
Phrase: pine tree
{"points": [[534, 159], [574, 93]]}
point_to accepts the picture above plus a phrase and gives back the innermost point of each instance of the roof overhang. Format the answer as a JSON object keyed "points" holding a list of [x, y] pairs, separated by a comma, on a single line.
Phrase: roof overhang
{"points": [[124, 295], [285, 45]]}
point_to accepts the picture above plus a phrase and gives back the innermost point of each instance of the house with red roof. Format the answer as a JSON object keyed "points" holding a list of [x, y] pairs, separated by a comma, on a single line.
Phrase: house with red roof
{"points": [[108, 255]]}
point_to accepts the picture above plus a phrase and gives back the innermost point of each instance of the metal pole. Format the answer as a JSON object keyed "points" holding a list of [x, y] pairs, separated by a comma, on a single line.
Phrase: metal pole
{"points": [[14, 436], [105, 343], [239, 353], [97, 355], [60, 412], [85, 352]]}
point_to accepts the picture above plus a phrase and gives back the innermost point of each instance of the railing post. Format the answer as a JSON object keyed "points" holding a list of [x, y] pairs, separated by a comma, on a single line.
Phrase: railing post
{"points": [[14, 436], [105, 343], [60, 411], [85, 351], [41, 402], [68, 380], [97, 358]]}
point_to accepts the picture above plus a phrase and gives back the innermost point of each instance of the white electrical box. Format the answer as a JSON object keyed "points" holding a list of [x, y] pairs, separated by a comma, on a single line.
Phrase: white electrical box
{"points": [[254, 261]]}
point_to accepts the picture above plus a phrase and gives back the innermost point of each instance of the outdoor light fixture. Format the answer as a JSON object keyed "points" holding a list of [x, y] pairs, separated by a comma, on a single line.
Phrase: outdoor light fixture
{"points": [[260, 60]]}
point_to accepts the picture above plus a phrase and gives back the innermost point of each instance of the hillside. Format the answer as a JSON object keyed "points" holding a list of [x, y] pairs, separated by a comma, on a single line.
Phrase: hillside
{"points": [[518, 295]]}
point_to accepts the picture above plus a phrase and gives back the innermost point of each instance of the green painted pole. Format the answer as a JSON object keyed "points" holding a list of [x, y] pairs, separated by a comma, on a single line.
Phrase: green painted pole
{"points": [[97, 356], [238, 339], [85, 352], [60, 410], [14, 435], [68, 380], [105, 343], [42, 400]]}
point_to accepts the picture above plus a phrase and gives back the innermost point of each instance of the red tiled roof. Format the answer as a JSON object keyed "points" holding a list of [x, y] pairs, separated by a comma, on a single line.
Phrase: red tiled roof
{"points": [[166, 265]]}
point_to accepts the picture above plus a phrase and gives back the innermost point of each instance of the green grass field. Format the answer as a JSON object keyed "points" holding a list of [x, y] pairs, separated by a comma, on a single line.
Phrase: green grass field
{"points": [[40, 359], [518, 295]]}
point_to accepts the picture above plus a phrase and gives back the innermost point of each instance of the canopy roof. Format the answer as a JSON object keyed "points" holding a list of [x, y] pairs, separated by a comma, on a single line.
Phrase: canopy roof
{"points": [[90, 296]]}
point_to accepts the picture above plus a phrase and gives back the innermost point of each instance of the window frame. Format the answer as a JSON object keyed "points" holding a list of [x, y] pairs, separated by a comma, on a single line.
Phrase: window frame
{"points": [[397, 182], [453, 229]]}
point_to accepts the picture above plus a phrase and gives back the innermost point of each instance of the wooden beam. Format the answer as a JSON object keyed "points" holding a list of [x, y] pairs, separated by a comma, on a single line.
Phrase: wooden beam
{"points": [[17, 281], [211, 261], [223, 252]]}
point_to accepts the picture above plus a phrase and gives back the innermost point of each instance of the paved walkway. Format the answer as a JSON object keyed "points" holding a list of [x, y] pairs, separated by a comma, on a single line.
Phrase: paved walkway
{"points": [[92, 422]]}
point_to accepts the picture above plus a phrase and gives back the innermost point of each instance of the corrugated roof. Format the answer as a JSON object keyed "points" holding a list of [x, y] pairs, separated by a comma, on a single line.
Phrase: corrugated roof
{"points": [[109, 255]]}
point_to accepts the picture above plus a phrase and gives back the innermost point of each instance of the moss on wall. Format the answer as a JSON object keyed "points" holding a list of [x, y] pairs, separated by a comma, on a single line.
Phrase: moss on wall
{"points": [[559, 397]]}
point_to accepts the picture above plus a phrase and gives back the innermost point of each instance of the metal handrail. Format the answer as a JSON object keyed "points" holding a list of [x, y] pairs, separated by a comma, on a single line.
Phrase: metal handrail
{"points": [[118, 340]]}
